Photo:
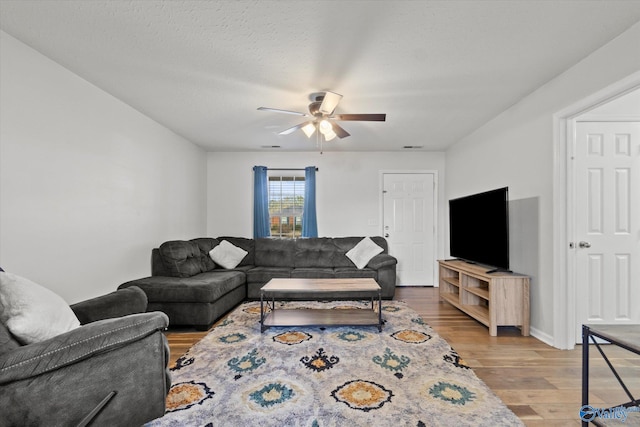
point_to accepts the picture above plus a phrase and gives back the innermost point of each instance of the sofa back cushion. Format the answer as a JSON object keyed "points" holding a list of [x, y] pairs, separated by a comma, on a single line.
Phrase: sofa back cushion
{"points": [[157, 264], [316, 252], [275, 252], [206, 244], [181, 258]]}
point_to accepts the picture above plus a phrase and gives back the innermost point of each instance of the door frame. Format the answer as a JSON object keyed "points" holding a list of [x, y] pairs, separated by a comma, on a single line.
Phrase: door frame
{"points": [[436, 229], [564, 265]]}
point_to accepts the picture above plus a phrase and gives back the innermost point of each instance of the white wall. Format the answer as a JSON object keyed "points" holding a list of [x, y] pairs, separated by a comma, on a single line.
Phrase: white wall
{"points": [[347, 188], [88, 185], [618, 108], [516, 149]]}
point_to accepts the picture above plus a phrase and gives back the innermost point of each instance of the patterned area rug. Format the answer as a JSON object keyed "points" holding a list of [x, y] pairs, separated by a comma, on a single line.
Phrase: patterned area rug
{"points": [[335, 376]]}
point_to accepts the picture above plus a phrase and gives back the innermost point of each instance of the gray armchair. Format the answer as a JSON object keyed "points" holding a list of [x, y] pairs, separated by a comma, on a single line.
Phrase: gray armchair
{"points": [[111, 371]]}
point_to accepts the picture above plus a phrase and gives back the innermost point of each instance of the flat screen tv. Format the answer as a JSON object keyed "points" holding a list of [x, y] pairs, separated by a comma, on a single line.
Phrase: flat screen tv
{"points": [[479, 228]]}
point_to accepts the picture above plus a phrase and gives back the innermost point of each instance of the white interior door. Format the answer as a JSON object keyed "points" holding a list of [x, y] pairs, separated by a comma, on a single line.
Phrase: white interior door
{"points": [[607, 170], [409, 206]]}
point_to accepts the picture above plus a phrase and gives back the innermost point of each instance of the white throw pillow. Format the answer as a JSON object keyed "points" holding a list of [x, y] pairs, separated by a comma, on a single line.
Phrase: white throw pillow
{"points": [[362, 253], [33, 313], [227, 255]]}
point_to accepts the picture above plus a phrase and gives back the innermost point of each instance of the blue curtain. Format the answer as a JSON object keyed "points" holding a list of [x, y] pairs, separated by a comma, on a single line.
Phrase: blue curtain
{"points": [[309, 218], [260, 203]]}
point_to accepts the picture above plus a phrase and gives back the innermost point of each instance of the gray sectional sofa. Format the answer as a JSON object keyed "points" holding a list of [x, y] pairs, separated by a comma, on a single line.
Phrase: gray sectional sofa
{"points": [[188, 286]]}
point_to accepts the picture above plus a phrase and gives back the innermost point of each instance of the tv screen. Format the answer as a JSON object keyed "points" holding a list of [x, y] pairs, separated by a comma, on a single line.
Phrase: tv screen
{"points": [[479, 228]]}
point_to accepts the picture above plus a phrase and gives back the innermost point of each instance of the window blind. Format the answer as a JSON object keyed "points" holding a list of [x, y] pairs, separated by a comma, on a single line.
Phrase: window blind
{"points": [[286, 203]]}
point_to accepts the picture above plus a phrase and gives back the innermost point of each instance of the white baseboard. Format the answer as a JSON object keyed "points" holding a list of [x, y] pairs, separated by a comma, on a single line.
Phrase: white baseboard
{"points": [[542, 336], [414, 285]]}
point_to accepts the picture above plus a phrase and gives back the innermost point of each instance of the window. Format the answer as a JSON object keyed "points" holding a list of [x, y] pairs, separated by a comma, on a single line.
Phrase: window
{"points": [[286, 203]]}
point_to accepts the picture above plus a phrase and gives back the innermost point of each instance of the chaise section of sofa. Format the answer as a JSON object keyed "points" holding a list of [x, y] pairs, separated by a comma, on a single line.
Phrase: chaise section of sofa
{"points": [[188, 286]]}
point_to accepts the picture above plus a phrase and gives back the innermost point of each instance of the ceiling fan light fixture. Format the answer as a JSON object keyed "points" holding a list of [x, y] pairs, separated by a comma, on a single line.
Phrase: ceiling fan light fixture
{"points": [[325, 126], [329, 135], [309, 129]]}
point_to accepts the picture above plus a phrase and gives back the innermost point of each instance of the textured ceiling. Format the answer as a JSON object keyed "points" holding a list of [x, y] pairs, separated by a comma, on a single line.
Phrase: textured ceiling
{"points": [[438, 69]]}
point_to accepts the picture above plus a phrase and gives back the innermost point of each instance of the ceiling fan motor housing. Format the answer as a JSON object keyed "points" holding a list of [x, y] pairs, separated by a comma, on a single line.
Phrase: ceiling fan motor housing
{"points": [[314, 107]]}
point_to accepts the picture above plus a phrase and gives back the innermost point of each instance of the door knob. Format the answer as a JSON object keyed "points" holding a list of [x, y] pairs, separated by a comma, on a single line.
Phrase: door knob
{"points": [[386, 234], [584, 244]]}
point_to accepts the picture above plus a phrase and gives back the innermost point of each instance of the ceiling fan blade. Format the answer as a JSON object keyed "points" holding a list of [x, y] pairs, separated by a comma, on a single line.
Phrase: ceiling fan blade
{"points": [[361, 117], [277, 110], [330, 102], [339, 131], [293, 129]]}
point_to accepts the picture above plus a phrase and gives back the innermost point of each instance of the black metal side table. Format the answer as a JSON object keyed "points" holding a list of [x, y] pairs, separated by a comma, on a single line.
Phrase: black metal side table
{"points": [[625, 336]]}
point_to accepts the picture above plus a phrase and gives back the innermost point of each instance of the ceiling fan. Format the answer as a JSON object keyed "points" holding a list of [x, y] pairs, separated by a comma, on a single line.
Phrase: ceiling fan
{"points": [[323, 119]]}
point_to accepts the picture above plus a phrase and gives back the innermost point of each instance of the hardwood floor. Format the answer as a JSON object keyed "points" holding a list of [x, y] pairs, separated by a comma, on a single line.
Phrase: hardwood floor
{"points": [[542, 385]]}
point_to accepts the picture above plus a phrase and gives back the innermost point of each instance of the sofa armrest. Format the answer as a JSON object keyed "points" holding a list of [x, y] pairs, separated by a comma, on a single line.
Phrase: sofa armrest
{"points": [[78, 344], [382, 260], [122, 302]]}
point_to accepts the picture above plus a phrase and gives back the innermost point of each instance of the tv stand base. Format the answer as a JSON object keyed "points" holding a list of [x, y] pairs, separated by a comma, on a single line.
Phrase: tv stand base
{"points": [[497, 299], [496, 270]]}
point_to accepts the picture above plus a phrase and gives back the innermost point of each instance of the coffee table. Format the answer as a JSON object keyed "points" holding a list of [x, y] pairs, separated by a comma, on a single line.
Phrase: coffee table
{"points": [[624, 336], [332, 288]]}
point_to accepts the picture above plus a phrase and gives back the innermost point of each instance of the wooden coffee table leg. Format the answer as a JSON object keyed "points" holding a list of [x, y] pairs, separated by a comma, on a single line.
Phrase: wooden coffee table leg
{"points": [[263, 313]]}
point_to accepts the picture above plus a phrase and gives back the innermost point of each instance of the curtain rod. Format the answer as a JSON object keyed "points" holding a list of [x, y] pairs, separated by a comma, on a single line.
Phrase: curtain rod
{"points": [[287, 169]]}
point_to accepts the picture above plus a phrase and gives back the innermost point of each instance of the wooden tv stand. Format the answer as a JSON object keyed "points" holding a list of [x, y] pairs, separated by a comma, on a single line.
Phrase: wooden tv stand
{"points": [[494, 299]]}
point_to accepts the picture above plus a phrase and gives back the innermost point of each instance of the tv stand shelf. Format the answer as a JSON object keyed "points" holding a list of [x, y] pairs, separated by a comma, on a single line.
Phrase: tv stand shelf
{"points": [[494, 299]]}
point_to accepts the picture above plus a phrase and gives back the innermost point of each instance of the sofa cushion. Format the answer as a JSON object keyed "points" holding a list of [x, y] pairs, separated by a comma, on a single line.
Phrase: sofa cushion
{"points": [[362, 253], [227, 255], [275, 252], [354, 273], [244, 268], [264, 274], [31, 312], [344, 244], [317, 252], [206, 244], [204, 287], [157, 264], [313, 273], [182, 258]]}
